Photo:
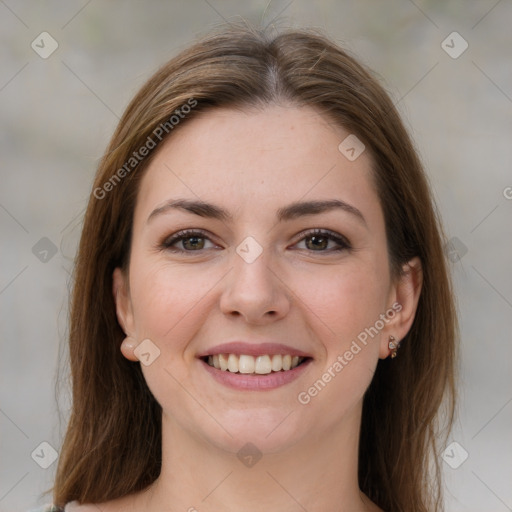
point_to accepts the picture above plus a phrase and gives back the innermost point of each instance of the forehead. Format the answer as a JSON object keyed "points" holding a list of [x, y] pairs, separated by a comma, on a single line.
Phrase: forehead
{"points": [[252, 158]]}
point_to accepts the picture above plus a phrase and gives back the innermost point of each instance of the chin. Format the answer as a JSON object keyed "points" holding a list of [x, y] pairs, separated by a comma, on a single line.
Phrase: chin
{"points": [[269, 431]]}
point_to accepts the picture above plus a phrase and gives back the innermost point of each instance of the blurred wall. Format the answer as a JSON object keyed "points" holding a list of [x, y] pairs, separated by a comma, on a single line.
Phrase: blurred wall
{"points": [[447, 66]]}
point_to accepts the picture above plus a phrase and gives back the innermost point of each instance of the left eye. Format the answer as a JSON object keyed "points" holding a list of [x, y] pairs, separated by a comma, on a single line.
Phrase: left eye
{"points": [[316, 241], [319, 239]]}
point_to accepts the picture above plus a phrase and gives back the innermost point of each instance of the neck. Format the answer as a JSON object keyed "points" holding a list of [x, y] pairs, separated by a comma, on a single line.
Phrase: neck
{"points": [[317, 474]]}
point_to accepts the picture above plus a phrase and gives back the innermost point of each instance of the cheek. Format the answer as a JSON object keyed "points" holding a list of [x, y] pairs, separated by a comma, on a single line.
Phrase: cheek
{"points": [[344, 307], [346, 300], [169, 305], [166, 302]]}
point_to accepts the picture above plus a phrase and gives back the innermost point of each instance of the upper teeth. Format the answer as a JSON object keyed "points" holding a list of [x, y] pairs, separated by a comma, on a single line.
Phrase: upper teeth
{"points": [[250, 364]]}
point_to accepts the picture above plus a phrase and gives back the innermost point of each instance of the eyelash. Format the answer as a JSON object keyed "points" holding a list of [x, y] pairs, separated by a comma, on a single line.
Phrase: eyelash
{"points": [[343, 243]]}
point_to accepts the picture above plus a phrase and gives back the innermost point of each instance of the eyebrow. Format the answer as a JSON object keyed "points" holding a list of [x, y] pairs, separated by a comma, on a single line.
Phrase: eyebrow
{"points": [[289, 212]]}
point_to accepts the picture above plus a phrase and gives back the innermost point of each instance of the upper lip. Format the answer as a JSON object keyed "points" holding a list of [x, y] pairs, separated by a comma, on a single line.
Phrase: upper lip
{"points": [[252, 349]]}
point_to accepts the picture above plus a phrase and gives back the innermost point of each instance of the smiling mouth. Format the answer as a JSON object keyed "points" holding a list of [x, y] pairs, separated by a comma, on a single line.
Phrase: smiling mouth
{"points": [[259, 365]]}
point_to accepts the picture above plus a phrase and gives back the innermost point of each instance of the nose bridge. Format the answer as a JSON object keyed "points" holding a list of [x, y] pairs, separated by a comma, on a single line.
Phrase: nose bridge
{"points": [[252, 262], [253, 288]]}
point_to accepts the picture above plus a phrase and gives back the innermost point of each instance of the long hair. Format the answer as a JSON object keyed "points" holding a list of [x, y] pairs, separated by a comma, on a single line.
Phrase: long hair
{"points": [[112, 446]]}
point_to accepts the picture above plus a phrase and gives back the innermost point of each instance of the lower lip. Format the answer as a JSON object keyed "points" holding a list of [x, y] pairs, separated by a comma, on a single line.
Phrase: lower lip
{"points": [[255, 382]]}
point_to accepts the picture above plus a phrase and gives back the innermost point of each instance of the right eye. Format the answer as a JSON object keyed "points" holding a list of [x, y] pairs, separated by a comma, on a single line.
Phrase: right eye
{"points": [[191, 240]]}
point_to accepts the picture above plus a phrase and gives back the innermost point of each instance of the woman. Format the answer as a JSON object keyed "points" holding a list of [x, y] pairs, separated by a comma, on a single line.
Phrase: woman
{"points": [[260, 243]]}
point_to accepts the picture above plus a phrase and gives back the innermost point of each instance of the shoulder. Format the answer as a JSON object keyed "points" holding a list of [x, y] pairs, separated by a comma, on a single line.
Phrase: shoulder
{"points": [[47, 508], [107, 506], [122, 504], [73, 506]]}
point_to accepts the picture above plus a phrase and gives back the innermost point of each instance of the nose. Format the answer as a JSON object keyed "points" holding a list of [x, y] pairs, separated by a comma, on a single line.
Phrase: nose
{"points": [[255, 290]]}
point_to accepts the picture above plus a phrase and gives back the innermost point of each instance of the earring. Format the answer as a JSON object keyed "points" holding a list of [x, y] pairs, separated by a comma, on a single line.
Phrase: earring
{"points": [[393, 346], [129, 343], [128, 347]]}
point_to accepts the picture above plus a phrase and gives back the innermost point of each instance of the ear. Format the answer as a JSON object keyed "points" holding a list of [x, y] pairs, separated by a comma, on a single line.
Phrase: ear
{"points": [[403, 300], [124, 312]]}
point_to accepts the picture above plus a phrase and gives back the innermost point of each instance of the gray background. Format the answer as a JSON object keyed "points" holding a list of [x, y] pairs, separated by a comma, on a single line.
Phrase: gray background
{"points": [[58, 113]]}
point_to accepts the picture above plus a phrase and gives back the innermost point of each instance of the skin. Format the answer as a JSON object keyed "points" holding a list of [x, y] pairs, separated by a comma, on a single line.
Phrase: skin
{"points": [[252, 163]]}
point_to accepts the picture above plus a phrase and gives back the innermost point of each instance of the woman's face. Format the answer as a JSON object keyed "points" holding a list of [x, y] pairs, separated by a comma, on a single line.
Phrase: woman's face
{"points": [[254, 273]]}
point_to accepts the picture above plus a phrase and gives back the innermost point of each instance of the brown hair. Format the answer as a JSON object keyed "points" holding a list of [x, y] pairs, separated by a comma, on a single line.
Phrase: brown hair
{"points": [[112, 445]]}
